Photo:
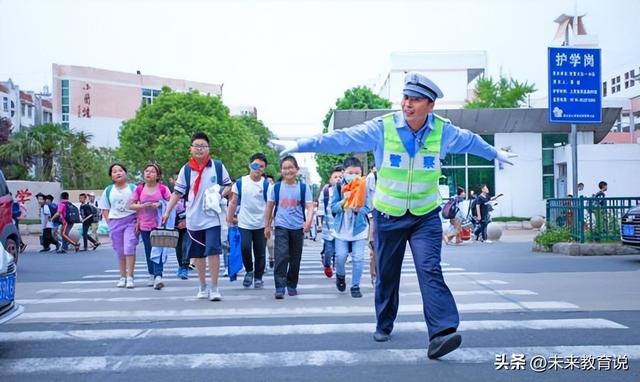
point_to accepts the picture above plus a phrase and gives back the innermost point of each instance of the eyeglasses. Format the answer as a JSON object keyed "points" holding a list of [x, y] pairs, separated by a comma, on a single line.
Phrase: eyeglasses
{"points": [[200, 147]]}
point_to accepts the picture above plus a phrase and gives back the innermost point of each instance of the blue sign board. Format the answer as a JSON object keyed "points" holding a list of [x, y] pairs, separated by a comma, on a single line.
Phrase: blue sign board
{"points": [[575, 85]]}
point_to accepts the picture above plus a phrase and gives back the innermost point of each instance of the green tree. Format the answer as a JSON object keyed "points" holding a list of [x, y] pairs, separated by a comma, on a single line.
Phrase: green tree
{"points": [[504, 93], [258, 130], [161, 132], [359, 97]]}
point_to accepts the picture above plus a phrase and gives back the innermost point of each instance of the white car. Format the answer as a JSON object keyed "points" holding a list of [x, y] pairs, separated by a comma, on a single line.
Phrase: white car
{"points": [[8, 307]]}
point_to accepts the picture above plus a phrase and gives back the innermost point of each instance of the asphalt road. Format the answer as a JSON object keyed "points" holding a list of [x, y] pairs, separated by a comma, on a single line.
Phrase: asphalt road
{"points": [[575, 314]]}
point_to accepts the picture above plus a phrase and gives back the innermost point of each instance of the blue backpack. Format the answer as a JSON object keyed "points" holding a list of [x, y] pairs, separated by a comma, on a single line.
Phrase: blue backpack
{"points": [[187, 176], [303, 193]]}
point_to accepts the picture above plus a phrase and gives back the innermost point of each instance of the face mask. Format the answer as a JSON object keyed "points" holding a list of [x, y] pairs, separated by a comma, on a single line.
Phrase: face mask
{"points": [[255, 166], [349, 177]]}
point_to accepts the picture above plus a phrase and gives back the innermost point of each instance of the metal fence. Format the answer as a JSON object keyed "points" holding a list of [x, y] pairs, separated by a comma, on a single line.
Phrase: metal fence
{"points": [[589, 219]]}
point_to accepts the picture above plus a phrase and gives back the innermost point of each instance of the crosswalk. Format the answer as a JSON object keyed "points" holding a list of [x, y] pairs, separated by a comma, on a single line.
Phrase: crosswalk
{"points": [[320, 327]]}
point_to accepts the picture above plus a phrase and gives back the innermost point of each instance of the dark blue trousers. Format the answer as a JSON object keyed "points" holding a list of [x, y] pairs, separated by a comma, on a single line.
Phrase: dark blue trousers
{"points": [[424, 234]]}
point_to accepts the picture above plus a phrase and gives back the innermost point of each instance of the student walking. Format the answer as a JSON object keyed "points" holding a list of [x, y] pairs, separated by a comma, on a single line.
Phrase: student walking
{"points": [[286, 204], [114, 204], [87, 213], [146, 201], [248, 201], [47, 225], [68, 215], [204, 182], [351, 204], [324, 211]]}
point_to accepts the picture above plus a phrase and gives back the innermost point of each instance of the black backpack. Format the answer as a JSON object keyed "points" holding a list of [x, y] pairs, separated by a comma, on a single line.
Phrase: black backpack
{"points": [[73, 214], [450, 209]]}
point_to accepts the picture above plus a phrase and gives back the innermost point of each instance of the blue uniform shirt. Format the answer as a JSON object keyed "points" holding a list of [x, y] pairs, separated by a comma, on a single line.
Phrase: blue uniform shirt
{"points": [[369, 136]]}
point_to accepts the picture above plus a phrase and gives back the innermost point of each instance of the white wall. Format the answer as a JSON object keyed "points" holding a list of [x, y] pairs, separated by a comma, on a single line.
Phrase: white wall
{"points": [[618, 165], [33, 209], [104, 130], [521, 183]]}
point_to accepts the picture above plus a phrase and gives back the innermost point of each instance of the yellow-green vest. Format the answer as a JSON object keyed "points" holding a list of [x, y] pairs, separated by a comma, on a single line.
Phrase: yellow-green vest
{"points": [[406, 183]]}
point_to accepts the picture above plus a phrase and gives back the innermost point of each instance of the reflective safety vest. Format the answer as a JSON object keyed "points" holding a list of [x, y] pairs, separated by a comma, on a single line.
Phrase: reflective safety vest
{"points": [[406, 183]]}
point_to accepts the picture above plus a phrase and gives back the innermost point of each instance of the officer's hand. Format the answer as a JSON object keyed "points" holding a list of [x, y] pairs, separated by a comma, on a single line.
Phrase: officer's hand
{"points": [[285, 147], [164, 219], [505, 156]]}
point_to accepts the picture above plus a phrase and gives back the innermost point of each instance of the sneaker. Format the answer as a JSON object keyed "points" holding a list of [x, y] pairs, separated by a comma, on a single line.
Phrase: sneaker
{"points": [[328, 271], [442, 345], [157, 283], [292, 291], [61, 251], [271, 264], [184, 273], [192, 266], [122, 282], [151, 280], [130, 284], [380, 336], [488, 241], [214, 295], [77, 247], [44, 250], [279, 293], [248, 280], [355, 291], [203, 293], [95, 246], [258, 284], [340, 283]]}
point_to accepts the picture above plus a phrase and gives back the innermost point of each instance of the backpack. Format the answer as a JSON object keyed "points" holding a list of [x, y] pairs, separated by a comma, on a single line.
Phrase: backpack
{"points": [[73, 214], [15, 210], [187, 177], [107, 191], [54, 209], [265, 189], [303, 192], [325, 198], [450, 209]]}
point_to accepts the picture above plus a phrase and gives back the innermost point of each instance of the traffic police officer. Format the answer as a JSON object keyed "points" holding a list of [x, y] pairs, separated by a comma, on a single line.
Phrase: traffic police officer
{"points": [[408, 146]]}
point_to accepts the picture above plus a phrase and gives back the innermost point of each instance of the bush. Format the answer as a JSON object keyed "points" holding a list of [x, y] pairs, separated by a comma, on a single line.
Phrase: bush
{"points": [[552, 236]]}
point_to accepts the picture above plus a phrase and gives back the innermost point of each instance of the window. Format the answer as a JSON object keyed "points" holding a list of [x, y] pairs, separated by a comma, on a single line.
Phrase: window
{"points": [[23, 109], [615, 85], [5, 104], [148, 95], [468, 171], [549, 142], [65, 103], [30, 111], [604, 89]]}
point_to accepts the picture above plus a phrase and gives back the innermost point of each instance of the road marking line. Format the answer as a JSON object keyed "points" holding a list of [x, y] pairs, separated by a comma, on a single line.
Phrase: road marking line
{"points": [[331, 358], [313, 329], [282, 312]]}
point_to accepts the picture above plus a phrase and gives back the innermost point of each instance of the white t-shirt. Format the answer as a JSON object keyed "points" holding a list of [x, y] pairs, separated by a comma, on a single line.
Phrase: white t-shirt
{"points": [[196, 217], [118, 203], [251, 213], [45, 215]]}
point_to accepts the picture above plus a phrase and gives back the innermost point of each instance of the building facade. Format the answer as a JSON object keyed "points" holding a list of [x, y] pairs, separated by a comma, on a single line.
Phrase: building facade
{"points": [[24, 108], [97, 101]]}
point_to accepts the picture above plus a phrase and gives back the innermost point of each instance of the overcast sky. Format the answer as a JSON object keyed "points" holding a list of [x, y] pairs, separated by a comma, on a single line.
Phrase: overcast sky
{"points": [[292, 59]]}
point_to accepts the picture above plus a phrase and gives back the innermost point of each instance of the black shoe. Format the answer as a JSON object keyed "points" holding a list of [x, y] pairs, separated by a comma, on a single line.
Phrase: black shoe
{"points": [[248, 280], [95, 246], [271, 264], [340, 283], [61, 251], [355, 292], [380, 336], [442, 345], [43, 250]]}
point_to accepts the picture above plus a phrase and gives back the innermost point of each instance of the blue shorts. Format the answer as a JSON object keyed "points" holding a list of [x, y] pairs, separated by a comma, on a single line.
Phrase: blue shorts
{"points": [[204, 243]]}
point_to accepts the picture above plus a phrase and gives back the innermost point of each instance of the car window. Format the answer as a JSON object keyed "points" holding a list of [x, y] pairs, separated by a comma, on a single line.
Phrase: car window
{"points": [[4, 189]]}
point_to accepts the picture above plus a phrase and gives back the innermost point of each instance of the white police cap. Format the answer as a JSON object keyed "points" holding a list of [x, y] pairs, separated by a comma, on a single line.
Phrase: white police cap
{"points": [[418, 85]]}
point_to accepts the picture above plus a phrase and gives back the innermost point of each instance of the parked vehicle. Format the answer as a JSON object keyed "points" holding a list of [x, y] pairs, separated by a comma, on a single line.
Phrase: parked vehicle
{"points": [[630, 228], [8, 307], [9, 235]]}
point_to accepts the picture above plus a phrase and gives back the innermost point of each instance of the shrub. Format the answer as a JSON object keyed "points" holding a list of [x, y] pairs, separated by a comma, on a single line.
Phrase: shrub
{"points": [[552, 236]]}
